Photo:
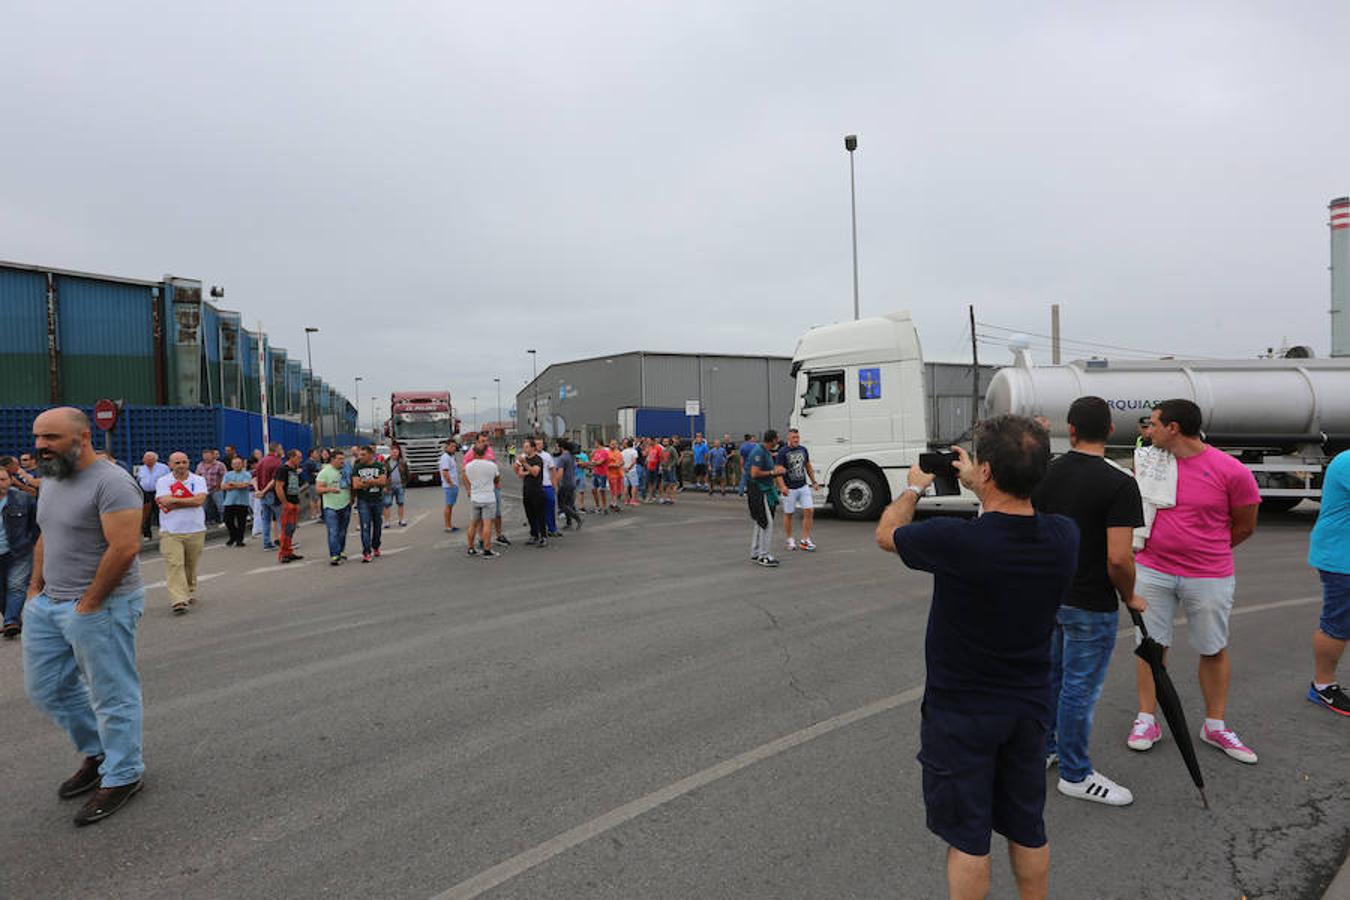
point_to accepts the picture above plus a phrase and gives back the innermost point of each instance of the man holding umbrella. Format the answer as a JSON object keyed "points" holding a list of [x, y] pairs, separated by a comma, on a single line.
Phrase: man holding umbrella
{"points": [[998, 581], [1187, 563], [1103, 500]]}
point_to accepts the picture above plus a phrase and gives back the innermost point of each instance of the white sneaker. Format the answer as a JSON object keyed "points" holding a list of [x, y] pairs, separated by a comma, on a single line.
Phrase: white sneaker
{"points": [[1097, 788], [792, 544], [806, 544]]}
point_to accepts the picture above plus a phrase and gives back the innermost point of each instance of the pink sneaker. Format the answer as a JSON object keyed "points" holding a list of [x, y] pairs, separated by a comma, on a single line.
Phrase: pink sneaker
{"points": [[1143, 736], [1227, 740]]}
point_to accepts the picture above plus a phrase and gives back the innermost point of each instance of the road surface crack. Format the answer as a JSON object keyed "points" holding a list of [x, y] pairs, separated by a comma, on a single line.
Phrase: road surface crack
{"points": [[794, 682]]}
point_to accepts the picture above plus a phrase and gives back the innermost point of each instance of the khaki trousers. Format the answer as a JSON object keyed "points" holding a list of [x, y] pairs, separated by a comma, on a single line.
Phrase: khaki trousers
{"points": [[181, 552]]}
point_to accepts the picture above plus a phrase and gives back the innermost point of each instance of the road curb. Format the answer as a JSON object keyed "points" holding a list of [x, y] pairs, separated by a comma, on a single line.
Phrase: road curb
{"points": [[1339, 889]]}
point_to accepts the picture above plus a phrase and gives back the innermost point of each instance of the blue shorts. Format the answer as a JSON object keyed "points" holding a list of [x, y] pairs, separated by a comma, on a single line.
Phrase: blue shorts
{"points": [[1335, 621], [983, 773], [668, 476], [451, 495], [600, 482], [396, 494]]}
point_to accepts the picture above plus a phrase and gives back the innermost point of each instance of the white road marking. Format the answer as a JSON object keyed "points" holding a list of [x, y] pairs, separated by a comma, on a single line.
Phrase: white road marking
{"points": [[384, 553], [277, 567], [200, 579], [538, 855]]}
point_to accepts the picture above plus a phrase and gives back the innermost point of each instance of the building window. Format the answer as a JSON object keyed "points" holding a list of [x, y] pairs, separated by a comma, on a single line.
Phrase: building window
{"points": [[824, 388]]}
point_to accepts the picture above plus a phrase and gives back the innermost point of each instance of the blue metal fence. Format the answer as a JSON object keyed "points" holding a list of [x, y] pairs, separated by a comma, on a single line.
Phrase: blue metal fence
{"points": [[165, 429]]}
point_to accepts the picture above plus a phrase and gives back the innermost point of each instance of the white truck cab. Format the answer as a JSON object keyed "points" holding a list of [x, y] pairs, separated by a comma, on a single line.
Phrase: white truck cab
{"points": [[867, 405]]}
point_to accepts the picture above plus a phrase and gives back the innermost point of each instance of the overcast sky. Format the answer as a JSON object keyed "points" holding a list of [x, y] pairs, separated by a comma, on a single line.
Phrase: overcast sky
{"points": [[439, 186]]}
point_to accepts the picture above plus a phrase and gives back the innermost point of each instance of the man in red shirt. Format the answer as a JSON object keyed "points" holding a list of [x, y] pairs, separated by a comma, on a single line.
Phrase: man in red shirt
{"points": [[264, 473], [599, 466]]}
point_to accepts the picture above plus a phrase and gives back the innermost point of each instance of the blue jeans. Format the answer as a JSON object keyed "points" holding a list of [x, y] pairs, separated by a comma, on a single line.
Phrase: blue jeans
{"points": [[270, 515], [550, 509], [1080, 651], [337, 521], [14, 573], [81, 671], [371, 513]]}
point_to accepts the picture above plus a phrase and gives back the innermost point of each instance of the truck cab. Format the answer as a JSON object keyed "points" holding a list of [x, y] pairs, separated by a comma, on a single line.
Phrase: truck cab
{"points": [[865, 409], [421, 422]]}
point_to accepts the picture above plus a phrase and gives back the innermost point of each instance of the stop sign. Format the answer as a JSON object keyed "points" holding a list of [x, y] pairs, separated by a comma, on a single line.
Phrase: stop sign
{"points": [[105, 415]]}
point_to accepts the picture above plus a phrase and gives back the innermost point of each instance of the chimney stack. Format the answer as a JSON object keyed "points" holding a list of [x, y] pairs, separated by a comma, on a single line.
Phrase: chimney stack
{"points": [[1340, 276]]}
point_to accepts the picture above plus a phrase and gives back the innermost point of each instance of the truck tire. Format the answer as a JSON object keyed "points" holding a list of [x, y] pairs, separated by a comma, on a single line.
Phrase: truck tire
{"points": [[858, 494]]}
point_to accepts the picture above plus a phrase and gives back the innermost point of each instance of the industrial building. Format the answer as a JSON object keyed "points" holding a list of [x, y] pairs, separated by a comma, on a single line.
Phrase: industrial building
{"points": [[74, 338], [647, 393]]}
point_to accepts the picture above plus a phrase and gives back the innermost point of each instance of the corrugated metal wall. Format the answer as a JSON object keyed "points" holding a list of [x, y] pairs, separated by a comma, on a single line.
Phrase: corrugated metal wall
{"points": [[106, 340], [737, 393], [23, 338]]}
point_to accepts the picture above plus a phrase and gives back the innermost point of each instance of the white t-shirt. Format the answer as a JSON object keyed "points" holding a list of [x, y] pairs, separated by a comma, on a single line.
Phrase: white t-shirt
{"points": [[481, 475], [449, 464], [185, 520], [549, 465], [629, 458]]}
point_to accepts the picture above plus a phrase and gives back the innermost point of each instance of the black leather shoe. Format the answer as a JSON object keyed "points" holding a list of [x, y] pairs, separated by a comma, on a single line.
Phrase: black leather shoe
{"points": [[105, 802], [83, 781]]}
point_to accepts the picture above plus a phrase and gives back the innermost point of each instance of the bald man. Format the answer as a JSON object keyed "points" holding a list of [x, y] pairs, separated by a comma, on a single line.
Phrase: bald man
{"points": [[85, 600], [181, 496]]}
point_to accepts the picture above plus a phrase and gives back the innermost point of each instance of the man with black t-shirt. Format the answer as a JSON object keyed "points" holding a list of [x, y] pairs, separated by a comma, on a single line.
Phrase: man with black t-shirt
{"points": [[1104, 501], [997, 584], [529, 465]]}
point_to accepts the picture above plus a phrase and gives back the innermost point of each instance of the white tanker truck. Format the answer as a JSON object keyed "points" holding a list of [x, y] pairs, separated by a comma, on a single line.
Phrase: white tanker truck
{"points": [[867, 405]]}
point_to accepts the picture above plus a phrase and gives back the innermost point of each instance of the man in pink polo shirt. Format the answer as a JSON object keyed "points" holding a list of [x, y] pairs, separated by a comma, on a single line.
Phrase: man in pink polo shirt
{"points": [[1188, 563]]}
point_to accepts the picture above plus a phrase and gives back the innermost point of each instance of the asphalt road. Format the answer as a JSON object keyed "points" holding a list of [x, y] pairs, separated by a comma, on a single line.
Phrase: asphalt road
{"points": [[635, 712]]}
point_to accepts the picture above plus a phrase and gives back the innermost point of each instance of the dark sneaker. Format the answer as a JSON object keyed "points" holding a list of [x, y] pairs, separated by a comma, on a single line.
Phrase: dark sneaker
{"points": [[543, 542], [83, 781], [105, 802], [532, 542], [180, 609], [292, 558], [555, 534], [1332, 697], [491, 554], [501, 539], [768, 562], [474, 552], [12, 630], [335, 561]]}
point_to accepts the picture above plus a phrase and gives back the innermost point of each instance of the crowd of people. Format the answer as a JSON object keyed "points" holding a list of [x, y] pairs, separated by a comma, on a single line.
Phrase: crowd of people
{"points": [[1026, 596]]}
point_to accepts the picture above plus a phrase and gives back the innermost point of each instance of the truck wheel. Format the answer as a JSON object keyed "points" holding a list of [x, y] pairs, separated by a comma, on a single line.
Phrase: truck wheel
{"points": [[858, 494]]}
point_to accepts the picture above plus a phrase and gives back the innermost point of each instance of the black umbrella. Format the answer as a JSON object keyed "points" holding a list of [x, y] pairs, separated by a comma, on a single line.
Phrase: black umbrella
{"points": [[1151, 652]]}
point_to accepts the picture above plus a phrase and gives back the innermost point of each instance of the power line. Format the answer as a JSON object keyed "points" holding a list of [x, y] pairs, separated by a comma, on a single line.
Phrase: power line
{"points": [[1089, 344]]}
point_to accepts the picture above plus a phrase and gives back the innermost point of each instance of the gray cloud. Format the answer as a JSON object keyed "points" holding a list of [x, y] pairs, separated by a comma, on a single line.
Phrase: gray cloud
{"points": [[440, 187]]}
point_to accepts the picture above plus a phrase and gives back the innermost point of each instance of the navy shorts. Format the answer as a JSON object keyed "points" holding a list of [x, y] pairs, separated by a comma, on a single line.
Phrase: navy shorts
{"points": [[1335, 621], [983, 773]]}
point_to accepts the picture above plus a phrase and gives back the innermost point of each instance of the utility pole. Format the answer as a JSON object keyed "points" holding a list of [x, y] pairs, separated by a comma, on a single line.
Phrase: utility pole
{"points": [[1054, 333], [851, 144], [974, 371]]}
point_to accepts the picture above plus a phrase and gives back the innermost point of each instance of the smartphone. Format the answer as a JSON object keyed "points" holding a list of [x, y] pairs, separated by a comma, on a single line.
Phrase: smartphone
{"points": [[940, 463]]}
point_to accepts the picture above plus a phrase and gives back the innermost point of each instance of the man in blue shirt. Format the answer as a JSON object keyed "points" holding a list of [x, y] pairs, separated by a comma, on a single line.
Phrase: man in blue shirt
{"points": [[746, 448], [148, 476], [717, 469], [763, 486], [700, 448], [998, 581], [1329, 554]]}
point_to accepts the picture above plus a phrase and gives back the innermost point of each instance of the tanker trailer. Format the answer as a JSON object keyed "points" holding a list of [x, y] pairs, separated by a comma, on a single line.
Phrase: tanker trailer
{"points": [[1283, 418]]}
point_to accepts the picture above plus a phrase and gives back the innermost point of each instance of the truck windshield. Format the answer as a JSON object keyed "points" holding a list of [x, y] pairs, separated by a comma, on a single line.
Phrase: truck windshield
{"points": [[422, 425]]}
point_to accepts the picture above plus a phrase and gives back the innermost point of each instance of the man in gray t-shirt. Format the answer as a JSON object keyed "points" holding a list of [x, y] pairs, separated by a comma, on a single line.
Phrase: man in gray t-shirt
{"points": [[84, 604]]}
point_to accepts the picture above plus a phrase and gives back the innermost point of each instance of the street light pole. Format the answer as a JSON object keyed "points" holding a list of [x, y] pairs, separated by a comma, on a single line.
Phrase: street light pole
{"points": [[851, 144], [475, 414], [357, 404], [314, 419], [499, 399], [534, 364]]}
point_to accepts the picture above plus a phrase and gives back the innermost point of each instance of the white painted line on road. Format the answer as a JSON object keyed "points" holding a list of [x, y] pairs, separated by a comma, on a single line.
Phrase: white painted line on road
{"points": [[277, 567], [200, 579], [384, 553], [542, 853]]}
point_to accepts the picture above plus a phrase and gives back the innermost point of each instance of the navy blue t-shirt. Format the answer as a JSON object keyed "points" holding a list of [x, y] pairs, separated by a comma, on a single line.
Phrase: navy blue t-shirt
{"points": [[794, 460], [998, 581]]}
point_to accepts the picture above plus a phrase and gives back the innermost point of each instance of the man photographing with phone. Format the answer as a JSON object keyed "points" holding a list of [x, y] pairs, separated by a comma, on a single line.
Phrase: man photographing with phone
{"points": [[998, 581]]}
